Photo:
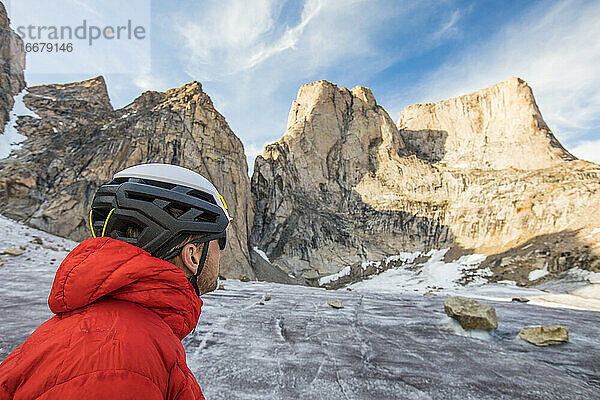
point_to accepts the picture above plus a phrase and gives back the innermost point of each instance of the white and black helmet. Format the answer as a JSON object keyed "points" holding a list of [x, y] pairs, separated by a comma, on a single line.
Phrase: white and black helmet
{"points": [[164, 203]]}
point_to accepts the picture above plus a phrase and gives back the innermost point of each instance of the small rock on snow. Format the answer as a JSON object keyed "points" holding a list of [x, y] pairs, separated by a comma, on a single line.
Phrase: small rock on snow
{"points": [[470, 313], [13, 251], [335, 303], [545, 335], [520, 299]]}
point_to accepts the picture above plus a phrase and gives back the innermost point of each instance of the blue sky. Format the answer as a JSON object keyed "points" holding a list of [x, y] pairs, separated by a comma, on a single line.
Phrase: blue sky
{"points": [[252, 56]]}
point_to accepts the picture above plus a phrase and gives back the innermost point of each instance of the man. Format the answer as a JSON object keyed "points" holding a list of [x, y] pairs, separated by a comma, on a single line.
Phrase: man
{"points": [[125, 298]]}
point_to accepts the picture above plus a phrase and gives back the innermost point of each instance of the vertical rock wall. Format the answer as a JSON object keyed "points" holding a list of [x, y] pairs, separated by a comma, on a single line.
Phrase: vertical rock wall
{"points": [[80, 142], [494, 128], [481, 173], [12, 64], [310, 218]]}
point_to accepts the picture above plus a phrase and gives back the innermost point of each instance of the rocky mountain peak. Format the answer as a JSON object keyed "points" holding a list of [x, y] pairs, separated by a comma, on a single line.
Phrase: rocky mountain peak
{"points": [[190, 93], [333, 135], [323, 94], [365, 94], [189, 88], [77, 102], [494, 128], [477, 173], [145, 102], [79, 142], [92, 91]]}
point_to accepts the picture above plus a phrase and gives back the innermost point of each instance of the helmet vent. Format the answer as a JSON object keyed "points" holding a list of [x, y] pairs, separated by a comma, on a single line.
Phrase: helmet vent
{"points": [[164, 185], [176, 210], [206, 217], [131, 230], [202, 196], [139, 196]]}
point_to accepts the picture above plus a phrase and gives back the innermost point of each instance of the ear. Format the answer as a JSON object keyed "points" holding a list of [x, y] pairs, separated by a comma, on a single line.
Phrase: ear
{"points": [[190, 257]]}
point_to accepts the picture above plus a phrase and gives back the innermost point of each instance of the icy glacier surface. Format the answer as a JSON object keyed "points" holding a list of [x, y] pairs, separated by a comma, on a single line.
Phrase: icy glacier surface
{"points": [[379, 346]]}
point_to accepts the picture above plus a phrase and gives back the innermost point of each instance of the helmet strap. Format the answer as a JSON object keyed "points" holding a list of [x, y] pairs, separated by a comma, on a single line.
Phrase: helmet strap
{"points": [[194, 278]]}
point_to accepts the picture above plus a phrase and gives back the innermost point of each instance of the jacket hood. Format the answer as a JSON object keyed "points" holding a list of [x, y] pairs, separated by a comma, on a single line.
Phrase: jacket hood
{"points": [[106, 267]]}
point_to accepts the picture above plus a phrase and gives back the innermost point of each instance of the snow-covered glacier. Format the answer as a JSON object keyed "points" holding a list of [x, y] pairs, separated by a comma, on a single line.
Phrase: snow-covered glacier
{"points": [[381, 345]]}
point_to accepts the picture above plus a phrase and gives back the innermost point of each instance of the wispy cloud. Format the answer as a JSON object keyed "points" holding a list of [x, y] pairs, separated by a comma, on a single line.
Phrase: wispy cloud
{"points": [[554, 47], [290, 37], [257, 54], [450, 28], [220, 44], [87, 7], [260, 38]]}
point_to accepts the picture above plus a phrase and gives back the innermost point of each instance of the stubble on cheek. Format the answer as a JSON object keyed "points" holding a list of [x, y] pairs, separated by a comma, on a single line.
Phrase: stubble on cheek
{"points": [[206, 283], [208, 279]]}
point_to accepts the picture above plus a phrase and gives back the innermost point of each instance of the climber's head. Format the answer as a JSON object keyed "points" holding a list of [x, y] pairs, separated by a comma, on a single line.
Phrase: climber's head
{"points": [[171, 212]]}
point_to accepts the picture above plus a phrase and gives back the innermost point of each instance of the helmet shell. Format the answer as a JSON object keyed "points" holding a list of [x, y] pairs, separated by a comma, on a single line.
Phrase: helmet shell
{"points": [[166, 203], [176, 175]]}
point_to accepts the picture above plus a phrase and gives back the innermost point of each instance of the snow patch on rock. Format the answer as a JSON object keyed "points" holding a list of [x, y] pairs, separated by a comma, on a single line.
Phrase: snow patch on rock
{"points": [[435, 273], [538, 273], [584, 275], [11, 138], [262, 254], [404, 257], [334, 277]]}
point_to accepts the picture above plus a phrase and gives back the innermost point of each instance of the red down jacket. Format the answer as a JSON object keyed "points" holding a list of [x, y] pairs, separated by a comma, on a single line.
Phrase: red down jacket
{"points": [[120, 317]]}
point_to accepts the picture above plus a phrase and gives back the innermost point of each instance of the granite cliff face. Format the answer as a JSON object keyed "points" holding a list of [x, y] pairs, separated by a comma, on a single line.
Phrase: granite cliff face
{"points": [[479, 173], [79, 141], [309, 217], [495, 128], [12, 64]]}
